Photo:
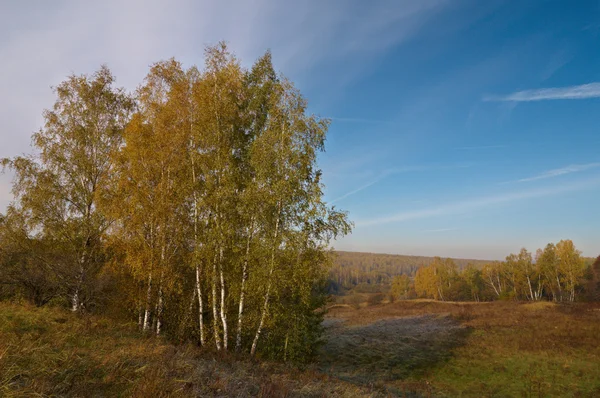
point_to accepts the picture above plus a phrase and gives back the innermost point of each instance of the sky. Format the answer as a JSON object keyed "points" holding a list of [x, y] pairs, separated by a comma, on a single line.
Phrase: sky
{"points": [[460, 128]]}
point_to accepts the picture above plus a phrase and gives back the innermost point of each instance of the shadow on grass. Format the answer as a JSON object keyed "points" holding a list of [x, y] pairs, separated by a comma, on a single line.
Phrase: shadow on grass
{"points": [[390, 349]]}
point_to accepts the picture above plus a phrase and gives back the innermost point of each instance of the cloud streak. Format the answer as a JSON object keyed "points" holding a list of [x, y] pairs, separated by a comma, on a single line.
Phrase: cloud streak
{"points": [[370, 183], [573, 168], [479, 203], [591, 90], [389, 172]]}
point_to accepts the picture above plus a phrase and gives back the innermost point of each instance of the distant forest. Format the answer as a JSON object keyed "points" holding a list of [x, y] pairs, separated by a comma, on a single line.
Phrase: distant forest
{"points": [[558, 272], [370, 272]]}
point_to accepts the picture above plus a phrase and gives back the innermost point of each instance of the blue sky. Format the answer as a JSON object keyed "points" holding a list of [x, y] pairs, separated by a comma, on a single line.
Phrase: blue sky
{"points": [[459, 128]]}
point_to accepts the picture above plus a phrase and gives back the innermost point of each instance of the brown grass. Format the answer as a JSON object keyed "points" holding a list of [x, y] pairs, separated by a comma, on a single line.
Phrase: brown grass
{"points": [[406, 348], [50, 352]]}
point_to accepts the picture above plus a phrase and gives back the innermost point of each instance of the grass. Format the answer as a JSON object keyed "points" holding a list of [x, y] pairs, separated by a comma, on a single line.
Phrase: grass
{"points": [[50, 352], [511, 350], [407, 348]]}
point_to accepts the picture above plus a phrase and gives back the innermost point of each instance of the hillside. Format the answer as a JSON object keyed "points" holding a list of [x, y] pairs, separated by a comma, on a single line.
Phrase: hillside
{"points": [[52, 352], [351, 269]]}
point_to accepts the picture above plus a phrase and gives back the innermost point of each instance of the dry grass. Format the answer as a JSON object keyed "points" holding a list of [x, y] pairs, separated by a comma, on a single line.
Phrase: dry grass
{"points": [[513, 349], [406, 348], [50, 352]]}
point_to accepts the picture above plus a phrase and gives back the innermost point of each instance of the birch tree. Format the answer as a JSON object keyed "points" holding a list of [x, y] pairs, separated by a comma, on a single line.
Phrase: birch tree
{"points": [[571, 265], [60, 188], [151, 200]]}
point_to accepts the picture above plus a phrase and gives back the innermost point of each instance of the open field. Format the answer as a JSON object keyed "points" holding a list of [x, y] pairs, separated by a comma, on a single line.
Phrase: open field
{"points": [[498, 349], [408, 348]]}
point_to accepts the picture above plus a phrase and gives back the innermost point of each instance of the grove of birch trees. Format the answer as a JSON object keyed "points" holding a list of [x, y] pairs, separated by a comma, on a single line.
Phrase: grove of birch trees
{"points": [[193, 206], [556, 273]]}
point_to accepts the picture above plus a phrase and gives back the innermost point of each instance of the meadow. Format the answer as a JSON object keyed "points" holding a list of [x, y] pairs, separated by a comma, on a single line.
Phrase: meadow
{"points": [[491, 349], [407, 348]]}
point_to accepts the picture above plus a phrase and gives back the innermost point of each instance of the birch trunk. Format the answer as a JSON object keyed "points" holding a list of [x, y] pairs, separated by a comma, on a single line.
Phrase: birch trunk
{"points": [[196, 246], [200, 305], [76, 299], [159, 305], [285, 346], [530, 288], [494, 286], [268, 293], [148, 298], [214, 306], [223, 294], [159, 310], [559, 288], [238, 339]]}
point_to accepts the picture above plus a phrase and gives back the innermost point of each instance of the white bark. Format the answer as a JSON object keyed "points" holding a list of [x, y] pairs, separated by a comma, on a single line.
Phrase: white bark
{"points": [[238, 340], [530, 288], [159, 305], [159, 311], [559, 288], [268, 293], [223, 309], [493, 285], [200, 305], [148, 298], [75, 300], [214, 306]]}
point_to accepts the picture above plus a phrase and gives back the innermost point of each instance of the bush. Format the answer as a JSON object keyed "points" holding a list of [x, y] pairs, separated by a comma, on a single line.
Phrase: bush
{"points": [[375, 299]]}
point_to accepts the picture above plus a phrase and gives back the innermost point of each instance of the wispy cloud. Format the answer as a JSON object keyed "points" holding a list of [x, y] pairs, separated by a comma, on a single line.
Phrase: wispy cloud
{"points": [[479, 203], [573, 168], [389, 172], [370, 183], [591, 90], [357, 190]]}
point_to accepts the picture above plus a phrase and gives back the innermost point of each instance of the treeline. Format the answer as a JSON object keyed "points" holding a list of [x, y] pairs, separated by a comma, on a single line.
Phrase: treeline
{"points": [[558, 273], [375, 272], [193, 205]]}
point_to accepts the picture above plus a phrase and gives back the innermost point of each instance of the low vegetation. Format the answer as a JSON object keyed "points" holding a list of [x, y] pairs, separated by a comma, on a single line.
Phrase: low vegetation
{"points": [[495, 349], [406, 348], [52, 352]]}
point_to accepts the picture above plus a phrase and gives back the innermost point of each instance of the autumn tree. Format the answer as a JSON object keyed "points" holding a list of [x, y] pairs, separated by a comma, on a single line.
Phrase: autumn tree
{"points": [[150, 202], [59, 189], [400, 286], [571, 265]]}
